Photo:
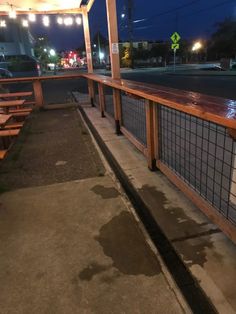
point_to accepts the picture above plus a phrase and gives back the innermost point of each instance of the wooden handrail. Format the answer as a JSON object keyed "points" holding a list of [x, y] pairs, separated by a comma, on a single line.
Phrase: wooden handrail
{"points": [[40, 78], [215, 109]]}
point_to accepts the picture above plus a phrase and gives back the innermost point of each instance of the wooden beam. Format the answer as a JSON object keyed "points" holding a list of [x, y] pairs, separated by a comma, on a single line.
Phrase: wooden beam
{"points": [[38, 93], [88, 51], [101, 99], [149, 106], [117, 109], [89, 5], [87, 39], [113, 38], [214, 109], [64, 11]]}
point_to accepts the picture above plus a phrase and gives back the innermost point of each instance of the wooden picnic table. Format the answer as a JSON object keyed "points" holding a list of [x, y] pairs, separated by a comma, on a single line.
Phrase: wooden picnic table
{"points": [[6, 104], [16, 95], [4, 118]]}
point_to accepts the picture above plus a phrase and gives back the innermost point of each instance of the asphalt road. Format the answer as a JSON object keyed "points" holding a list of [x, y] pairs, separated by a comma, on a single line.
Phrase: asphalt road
{"points": [[222, 86], [210, 84]]}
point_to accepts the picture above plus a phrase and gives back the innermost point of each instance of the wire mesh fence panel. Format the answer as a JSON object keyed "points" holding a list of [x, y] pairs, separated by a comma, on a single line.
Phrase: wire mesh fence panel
{"points": [[109, 106], [134, 116], [202, 154]]}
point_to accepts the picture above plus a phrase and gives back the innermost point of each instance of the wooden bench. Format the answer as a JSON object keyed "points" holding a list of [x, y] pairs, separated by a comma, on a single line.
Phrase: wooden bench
{"points": [[7, 104], [3, 153], [16, 125], [16, 95], [9, 133], [20, 110], [20, 114], [4, 118]]}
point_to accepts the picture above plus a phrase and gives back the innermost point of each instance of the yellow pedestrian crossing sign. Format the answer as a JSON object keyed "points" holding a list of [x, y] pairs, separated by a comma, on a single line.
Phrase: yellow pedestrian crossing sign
{"points": [[175, 38], [175, 46]]}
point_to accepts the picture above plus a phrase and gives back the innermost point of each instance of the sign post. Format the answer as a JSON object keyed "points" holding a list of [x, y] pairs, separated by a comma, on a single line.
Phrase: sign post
{"points": [[175, 45]]}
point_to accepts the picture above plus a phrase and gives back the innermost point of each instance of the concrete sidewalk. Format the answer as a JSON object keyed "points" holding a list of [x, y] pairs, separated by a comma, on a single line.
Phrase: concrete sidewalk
{"points": [[203, 248], [69, 242]]}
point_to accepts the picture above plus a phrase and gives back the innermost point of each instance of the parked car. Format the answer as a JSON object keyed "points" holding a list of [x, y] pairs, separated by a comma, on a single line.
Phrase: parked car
{"points": [[4, 73], [21, 65]]}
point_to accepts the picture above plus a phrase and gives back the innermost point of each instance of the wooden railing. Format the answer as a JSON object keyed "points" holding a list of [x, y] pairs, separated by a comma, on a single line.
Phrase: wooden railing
{"points": [[188, 136], [37, 84]]}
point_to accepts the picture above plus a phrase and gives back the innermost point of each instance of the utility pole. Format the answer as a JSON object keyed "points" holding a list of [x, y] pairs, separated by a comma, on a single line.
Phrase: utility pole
{"points": [[99, 47], [130, 28]]}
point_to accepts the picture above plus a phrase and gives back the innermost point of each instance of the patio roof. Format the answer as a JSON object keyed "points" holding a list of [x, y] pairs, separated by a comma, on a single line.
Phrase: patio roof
{"points": [[45, 6]]}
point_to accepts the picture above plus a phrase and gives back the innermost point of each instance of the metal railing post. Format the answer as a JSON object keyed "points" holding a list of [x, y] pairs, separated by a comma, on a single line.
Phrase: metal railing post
{"points": [[38, 93], [101, 99], [150, 135]]}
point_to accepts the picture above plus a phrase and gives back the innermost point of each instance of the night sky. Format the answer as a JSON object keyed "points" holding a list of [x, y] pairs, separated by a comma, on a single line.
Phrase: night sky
{"points": [[193, 19]]}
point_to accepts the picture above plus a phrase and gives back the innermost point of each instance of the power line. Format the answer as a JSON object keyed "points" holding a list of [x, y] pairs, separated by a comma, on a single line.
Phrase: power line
{"points": [[169, 11], [212, 7], [188, 15]]}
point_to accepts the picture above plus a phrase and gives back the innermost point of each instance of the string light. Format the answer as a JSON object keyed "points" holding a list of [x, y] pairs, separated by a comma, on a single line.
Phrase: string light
{"points": [[60, 20], [12, 13], [46, 21], [25, 23], [78, 20], [32, 17], [3, 23], [68, 21]]}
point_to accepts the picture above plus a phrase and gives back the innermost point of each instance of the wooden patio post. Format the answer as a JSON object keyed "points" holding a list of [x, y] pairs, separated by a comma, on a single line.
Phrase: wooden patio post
{"points": [[115, 58], [38, 93], [88, 51], [150, 134]]}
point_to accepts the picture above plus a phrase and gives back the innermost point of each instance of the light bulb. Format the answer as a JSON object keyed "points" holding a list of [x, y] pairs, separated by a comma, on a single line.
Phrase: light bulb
{"points": [[25, 23], [32, 17], [46, 21], [78, 20], [60, 20]]}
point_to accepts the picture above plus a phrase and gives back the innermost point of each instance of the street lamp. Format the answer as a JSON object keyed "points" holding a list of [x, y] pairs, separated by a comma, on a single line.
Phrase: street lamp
{"points": [[101, 56], [197, 46], [123, 15], [52, 52]]}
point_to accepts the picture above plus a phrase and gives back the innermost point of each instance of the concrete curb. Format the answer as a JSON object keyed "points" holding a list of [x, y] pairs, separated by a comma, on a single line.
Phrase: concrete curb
{"points": [[190, 288]]}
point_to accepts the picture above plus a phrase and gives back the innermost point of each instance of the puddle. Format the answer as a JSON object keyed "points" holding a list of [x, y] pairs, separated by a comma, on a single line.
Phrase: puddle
{"points": [[105, 192], [190, 244], [123, 242], [91, 270]]}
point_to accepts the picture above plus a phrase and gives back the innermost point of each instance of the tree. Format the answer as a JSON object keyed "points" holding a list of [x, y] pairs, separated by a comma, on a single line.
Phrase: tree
{"points": [[223, 42], [160, 49], [40, 51]]}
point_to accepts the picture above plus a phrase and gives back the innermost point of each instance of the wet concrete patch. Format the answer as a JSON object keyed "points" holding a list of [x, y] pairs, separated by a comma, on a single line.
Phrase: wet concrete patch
{"points": [[91, 270], [194, 252], [105, 192], [123, 242]]}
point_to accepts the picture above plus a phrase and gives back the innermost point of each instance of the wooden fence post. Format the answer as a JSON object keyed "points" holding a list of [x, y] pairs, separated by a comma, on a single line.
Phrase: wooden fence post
{"points": [[38, 93], [101, 99], [117, 109], [150, 134]]}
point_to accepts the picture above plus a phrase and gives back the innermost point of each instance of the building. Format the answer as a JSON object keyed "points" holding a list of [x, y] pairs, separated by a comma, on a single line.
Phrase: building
{"points": [[16, 39]]}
